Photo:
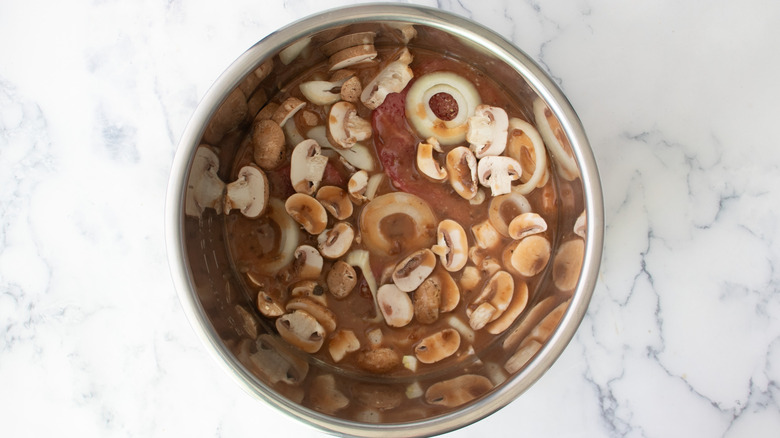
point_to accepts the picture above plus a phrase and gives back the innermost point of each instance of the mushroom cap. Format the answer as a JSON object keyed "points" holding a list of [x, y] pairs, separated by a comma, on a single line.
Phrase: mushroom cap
{"points": [[487, 130], [396, 305], [410, 272], [438, 346], [498, 172], [335, 242], [249, 193], [352, 56], [287, 109], [345, 127], [341, 279], [504, 208], [378, 360], [301, 330], [336, 201], [269, 144], [452, 245], [568, 264], [322, 314], [307, 262], [307, 166], [428, 166], [357, 186], [308, 212], [427, 300], [450, 293], [458, 391], [462, 170], [204, 188], [396, 222], [526, 224], [492, 301], [529, 256]]}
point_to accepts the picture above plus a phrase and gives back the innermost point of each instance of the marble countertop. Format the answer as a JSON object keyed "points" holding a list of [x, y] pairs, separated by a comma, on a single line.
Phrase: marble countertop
{"points": [[682, 337]]}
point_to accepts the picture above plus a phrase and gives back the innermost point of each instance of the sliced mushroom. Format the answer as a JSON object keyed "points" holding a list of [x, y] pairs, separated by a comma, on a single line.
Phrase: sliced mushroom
{"points": [[526, 224], [528, 322], [308, 212], [346, 41], [581, 225], [393, 78], [548, 324], [336, 201], [250, 83], [410, 272], [325, 397], [427, 301], [526, 146], [396, 222], [351, 90], [568, 264], [379, 360], [345, 126], [335, 242], [498, 172], [322, 314], [487, 130], [438, 346], [504, 208], [515, 308], [341, 279], [322, 92], [249, 193], [555, 139], [309, 289], [492, 301], [352, 56], [228, 116], [301, 330], [427, 164], [452, 245], [266, 112], [439, 104], [529, 256], [462, 170], [204, 188], [486, 235], [269, 144], [268, 305], [357, 185], [275, 361], [287, 109], [341, 343], [307, 166], [358, 156], [458, 391], [450, 293], [395, 304], [307, 263]]}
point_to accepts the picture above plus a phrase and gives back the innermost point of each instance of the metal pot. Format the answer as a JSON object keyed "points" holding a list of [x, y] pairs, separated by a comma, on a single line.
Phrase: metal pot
{"points": [[214, 295]]}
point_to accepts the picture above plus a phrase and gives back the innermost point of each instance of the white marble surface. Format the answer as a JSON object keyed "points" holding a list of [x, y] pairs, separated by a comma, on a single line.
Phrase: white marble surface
{"points": [[679, 99]]}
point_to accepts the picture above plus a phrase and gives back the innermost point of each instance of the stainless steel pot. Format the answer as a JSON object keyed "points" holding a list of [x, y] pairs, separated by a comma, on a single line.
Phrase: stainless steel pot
{"points": [[211, 291]]}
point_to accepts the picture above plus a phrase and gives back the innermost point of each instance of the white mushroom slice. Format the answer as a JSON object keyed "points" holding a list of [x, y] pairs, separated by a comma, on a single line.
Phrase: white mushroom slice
{"points": [[395, 304], [490, 266], [396, 222], [555, 139], [288, 240], [204, 188], [492, 301], [268, 305], [275, 361], [498, 172], [335, 242], [521, 357], [289, 53], [487, 130], [414, 269], [504, 208], [358, 155], [568, 264], [307, 166], [308, 212], [581, 225], [437, 346], [528, 322], [391, 79], [341, 343], [345, 127], [526, 224], [427, 163], [336, 201], [548, 324], [357, 186], [427, 301], [322, 92], [325, 397], [346, 41], [341, 279], [352, 56], [515, 308], [287, 109], [452, 245], [450, 293], [439, 105], [307, 263], [458, 391], [322, 314], [479, 198], [527, 147], [309, 289], [301, 330], [462, 169], [486, 235], [529, 256]]}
